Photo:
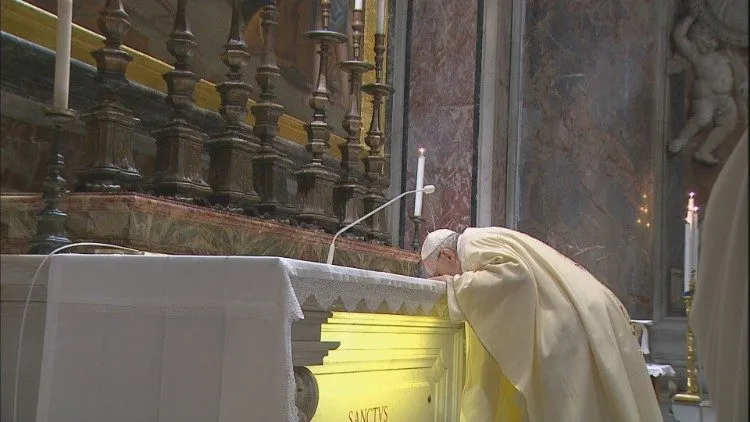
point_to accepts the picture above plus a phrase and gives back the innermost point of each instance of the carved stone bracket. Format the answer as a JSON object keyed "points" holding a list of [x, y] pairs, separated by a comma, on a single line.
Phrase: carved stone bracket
{"points": [[307, 396], [179, 144], [109, 145], [308, 350]]}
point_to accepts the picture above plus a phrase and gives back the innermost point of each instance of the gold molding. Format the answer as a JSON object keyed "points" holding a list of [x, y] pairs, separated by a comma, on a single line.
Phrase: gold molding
{"points": [[38, 26]]}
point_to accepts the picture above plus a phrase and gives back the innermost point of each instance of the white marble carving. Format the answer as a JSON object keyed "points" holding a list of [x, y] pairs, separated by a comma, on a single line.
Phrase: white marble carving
{"points": [[720, 78]]}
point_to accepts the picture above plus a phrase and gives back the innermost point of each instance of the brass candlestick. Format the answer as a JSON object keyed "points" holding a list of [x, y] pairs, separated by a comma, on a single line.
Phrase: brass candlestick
{"points": [[179, 145], [50, 228], [109, 143], [692, 393], [315, 181], [230, 172], [375, 161], [415, 242], [348, 192], [271, 166]]}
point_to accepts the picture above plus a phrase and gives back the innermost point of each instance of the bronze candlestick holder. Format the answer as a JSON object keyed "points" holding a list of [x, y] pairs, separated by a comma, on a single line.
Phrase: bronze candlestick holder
{"points": [[230, 171], [179, 144], [348, 191], [691, 396], [315, 180], [109, 143], [50, 227], [375, 161], [270, 167], [416, 244]]}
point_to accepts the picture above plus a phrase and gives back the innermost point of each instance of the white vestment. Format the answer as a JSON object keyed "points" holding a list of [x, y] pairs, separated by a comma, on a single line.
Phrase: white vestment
{"points": [[559, 336], [720, 310]]}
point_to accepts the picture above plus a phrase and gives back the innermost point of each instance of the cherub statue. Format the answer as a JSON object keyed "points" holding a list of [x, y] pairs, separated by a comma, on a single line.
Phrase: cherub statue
{"points": [[718, 71]]}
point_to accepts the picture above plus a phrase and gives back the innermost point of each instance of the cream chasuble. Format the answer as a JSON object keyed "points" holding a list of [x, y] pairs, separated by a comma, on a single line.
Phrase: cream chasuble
{"points": [[561, 337], [720, 308]]}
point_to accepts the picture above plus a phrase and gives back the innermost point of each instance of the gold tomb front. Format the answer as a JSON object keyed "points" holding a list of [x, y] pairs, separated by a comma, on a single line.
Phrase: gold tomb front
{"points": [[390, 368]]}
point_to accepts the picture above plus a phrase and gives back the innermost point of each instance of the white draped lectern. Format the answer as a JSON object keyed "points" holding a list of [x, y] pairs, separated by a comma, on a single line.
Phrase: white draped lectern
{"points": [[195, 338]]}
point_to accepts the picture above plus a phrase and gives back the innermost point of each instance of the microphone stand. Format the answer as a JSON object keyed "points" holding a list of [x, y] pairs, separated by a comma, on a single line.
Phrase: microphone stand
{"points": [[331, 249]]}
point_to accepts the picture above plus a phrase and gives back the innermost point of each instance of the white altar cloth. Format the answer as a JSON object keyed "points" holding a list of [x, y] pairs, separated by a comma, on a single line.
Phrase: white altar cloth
{"points": [[163, 338], [167, 339]]}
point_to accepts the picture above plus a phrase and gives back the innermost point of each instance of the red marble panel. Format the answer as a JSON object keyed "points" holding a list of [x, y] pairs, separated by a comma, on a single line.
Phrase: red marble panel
{"points": [[442, 109]]}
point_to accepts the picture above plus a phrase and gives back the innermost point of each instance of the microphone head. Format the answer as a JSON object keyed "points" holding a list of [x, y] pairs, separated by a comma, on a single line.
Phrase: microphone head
{"points": [[429, 189]]}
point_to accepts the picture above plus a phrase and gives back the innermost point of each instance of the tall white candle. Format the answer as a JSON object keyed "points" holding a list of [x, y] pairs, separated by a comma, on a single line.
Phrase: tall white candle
{"points": [[689, 239], [687, 266], [359, 4], [62, 52], [695, 244], [420, 184], [380, 29]]}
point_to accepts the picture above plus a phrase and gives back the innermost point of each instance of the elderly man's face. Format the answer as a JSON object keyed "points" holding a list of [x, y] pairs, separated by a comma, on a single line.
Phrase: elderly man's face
{"points": [[446, 263]]}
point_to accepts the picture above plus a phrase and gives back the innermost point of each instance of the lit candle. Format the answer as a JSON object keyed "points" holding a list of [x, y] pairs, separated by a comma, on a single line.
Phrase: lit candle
{"points": [[359, 4], [381, 17], [688, 265], [694, 244], [420, 184], [62, 52]]}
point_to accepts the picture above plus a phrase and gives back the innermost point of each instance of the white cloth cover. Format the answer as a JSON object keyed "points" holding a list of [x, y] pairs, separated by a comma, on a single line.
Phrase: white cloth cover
{"points": [[167, 339], [560, 336], [656, 370], [719, 317]]}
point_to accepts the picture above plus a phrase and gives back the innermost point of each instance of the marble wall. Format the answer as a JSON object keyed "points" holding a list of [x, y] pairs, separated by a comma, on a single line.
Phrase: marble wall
{"points": [[441, 110], [585, 152]]}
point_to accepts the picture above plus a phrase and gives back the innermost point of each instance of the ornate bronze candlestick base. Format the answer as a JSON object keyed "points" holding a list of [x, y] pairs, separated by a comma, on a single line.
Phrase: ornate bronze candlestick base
{"points": [[691, 395], [179, 145], [50, 227], [315, 181], [348, 192], [270, 167], [109, 144], [230, 172], [375, 161], [416, 244]]}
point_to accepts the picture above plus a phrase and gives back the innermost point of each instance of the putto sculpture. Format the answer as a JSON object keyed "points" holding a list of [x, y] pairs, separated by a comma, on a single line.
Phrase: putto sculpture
{"points": [[719, 78]]}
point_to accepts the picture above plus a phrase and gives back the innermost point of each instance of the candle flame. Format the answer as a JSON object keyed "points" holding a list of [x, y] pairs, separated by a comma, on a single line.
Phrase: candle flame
{"points": [[421, 151], [691, 194]]}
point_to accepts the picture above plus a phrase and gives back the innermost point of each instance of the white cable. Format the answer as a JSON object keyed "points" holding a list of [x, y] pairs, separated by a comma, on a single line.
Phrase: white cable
{"points": [[28, 300]]}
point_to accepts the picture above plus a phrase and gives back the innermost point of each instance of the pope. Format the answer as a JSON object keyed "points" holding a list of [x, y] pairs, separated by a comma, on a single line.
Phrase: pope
{"points": [[547, 342]]}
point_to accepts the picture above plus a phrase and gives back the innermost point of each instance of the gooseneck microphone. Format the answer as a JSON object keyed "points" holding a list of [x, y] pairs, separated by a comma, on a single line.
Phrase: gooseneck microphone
{"points": [[332, 248]]}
